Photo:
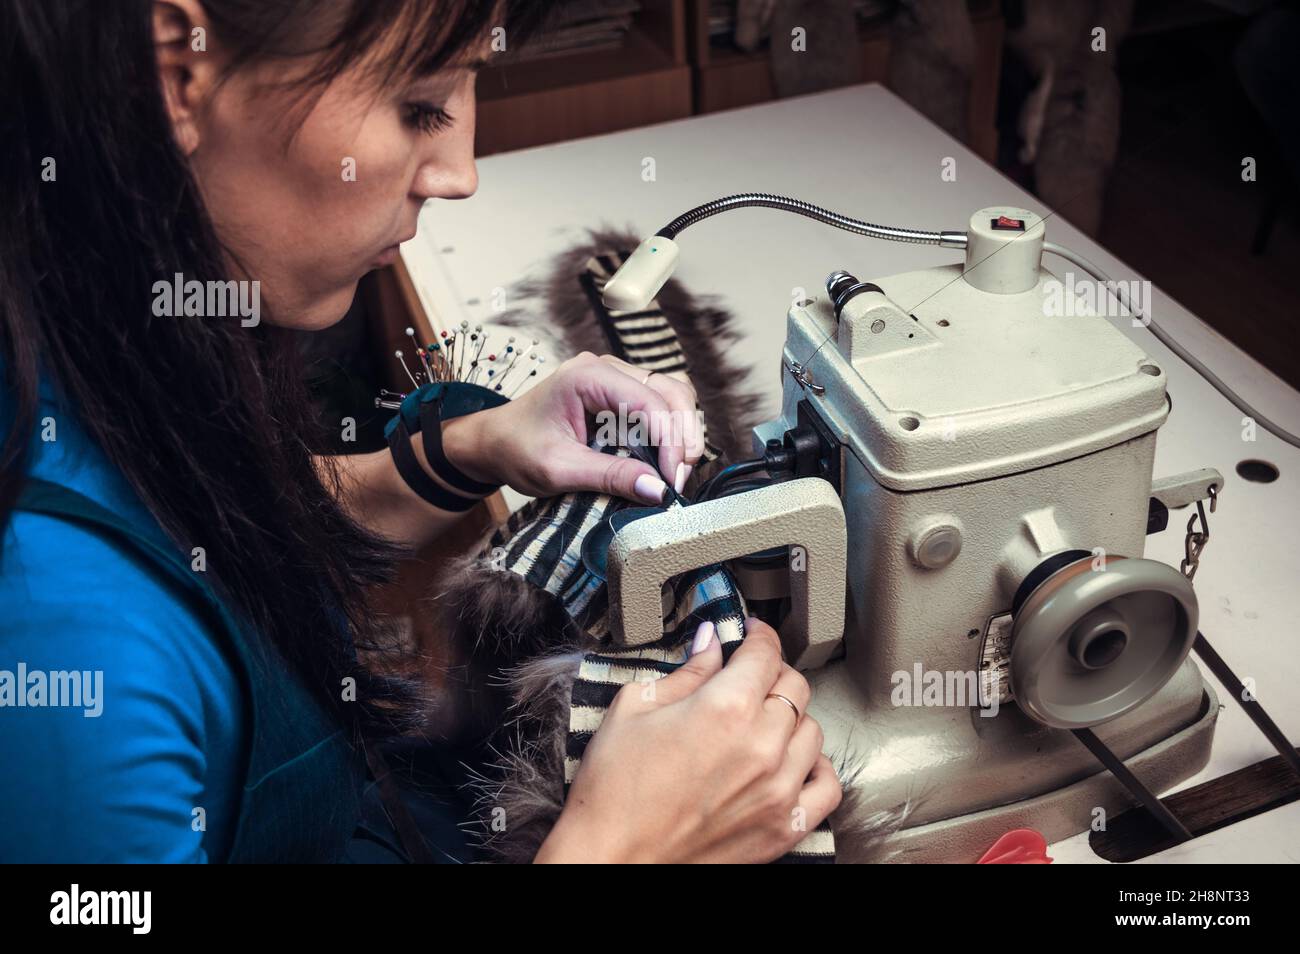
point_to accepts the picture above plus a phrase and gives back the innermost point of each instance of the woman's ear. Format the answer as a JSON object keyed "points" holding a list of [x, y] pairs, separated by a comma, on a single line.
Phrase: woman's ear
{"points": [[188, 66]]}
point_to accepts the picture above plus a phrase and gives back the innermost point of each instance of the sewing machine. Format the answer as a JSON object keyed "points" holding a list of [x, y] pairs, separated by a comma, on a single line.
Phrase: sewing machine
{"points": [[960, 542]]}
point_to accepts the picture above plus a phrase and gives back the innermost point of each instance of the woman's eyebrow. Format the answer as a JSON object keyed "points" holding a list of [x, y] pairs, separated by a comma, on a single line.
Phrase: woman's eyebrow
{"points": [[426, 72]]}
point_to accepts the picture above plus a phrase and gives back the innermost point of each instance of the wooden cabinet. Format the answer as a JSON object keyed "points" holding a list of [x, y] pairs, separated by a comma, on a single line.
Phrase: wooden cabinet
{"points": [[668, 69], [549, 100]]}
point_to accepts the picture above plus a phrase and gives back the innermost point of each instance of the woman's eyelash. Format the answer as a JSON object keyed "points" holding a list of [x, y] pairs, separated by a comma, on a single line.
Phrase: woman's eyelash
{"points": [[428, 118]]}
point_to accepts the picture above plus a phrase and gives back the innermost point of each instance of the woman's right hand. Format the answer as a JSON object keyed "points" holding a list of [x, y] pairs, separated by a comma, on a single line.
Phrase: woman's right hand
{"points": [[701, 765]]}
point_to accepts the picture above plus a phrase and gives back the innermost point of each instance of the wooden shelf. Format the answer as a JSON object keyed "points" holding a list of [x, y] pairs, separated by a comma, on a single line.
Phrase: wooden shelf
{"points": [[642, 53], [729, 78], [668, 69], [647, 80]]}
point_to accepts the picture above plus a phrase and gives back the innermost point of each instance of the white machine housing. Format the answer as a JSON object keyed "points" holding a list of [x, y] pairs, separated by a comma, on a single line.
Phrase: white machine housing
{"points": [[981, 433]]}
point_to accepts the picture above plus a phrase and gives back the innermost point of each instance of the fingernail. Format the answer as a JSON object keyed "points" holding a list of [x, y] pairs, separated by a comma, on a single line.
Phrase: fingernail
{"points": [[703, 637], [683, 475], [649, 487]]}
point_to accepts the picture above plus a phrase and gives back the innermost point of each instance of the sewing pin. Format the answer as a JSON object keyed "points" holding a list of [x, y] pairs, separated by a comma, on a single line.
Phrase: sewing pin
{"points": [[453, 352], [540, 359], [509, 350], [419, 350], [518, 357], [460, 354], [529, 350], [522, 381], [436, 359], [405, 368], [460, 366], [478, 354], [473, 339]]}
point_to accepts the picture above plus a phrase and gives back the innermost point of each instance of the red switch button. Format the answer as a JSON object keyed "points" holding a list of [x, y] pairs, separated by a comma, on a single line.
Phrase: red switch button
{"points": [[1004, 223]]}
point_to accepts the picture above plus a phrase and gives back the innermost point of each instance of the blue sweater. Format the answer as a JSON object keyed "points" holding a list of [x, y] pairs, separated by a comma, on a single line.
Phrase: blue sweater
{"points": [[147, 768]]}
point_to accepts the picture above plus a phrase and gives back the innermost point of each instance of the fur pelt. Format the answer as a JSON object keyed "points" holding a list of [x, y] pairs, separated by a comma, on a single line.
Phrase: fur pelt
{"points": [[518, 652], [525, 788], [706, 332], [932, 60], [498, 620], [831, 55], [1070, 124]]}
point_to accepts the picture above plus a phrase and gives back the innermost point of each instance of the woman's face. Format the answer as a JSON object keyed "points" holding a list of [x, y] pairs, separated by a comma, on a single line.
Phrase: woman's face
{"points": [[306, 210]]}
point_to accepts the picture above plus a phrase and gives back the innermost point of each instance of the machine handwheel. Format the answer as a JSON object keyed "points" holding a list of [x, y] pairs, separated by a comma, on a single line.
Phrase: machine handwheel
{"points": [[1089, 645]]}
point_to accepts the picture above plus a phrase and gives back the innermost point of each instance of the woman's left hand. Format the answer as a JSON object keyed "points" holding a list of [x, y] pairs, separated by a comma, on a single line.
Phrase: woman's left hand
{"points": [[537, 443]]}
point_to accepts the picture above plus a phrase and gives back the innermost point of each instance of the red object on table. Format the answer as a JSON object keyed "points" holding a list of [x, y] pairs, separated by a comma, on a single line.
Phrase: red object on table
{"points": [[1022, 846]]}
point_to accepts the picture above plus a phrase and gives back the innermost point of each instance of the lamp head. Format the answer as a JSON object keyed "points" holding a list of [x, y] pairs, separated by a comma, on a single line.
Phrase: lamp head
{"points": [[639, 279]]}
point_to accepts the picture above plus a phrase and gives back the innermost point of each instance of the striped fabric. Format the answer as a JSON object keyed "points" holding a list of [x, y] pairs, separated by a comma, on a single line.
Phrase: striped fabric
{"points": [[542, 543], [644, 338]]}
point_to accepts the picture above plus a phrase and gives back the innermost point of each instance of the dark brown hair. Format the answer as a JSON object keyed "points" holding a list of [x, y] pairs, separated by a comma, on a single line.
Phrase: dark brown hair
{"points": [[207, 420]]}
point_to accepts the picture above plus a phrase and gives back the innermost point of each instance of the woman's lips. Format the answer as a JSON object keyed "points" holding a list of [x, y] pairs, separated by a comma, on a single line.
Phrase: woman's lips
{"points": [[390, 255]]}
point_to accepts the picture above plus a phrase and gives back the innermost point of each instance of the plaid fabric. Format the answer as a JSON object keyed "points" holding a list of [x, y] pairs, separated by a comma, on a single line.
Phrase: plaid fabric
{"points": [[542, 543]]}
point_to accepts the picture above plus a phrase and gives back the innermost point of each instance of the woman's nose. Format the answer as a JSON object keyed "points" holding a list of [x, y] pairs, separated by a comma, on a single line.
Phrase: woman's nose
{"points": [[450, 173]]}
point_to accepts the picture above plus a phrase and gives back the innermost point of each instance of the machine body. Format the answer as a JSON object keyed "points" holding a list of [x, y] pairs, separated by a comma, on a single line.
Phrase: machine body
{"points": [[994, 462]]}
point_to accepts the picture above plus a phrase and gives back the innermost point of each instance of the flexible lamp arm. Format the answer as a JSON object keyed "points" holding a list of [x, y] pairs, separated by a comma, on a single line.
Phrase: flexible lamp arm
{"points": [[639, 279]]}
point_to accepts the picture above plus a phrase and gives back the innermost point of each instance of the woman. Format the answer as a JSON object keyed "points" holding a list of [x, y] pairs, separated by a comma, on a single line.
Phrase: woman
{"points": [[172, 542]]}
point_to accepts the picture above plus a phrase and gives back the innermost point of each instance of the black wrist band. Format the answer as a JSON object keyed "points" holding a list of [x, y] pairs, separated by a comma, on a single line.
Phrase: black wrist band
{"points": [[423, 412], [431, 428], [428, 489]]}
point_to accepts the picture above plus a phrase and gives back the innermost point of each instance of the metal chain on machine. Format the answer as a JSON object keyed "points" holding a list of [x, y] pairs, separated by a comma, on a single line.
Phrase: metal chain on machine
{"points": [[1197, 539]]}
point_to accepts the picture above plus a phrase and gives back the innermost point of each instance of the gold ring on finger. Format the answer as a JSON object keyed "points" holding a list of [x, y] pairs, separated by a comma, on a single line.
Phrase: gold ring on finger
{"points": [[793, 708]]}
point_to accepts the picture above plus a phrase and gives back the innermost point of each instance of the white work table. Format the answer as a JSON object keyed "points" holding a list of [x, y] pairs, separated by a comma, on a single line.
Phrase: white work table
{"points": [[863, 152]]}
